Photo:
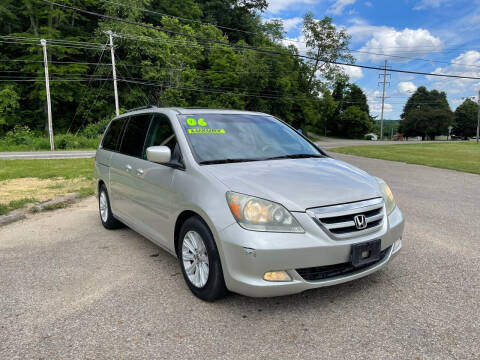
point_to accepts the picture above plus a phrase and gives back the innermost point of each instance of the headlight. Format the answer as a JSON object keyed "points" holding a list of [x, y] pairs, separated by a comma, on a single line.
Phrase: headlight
{"points": [[257, 214], [387, 195]]}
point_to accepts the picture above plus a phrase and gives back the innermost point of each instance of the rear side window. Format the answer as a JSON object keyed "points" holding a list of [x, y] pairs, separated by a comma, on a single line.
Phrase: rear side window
{"points": [[134, 136], [112, 135]]}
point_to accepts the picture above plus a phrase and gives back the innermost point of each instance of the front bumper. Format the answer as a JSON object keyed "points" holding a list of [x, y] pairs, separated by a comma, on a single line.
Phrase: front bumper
{"points": [[248, 255]]}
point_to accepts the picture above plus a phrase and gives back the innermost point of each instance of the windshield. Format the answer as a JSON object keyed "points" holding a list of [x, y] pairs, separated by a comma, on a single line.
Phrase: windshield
{"points": [[217, 138]]}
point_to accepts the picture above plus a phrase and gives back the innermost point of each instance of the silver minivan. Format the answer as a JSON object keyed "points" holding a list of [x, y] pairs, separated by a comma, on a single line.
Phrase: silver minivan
{"points": [[244, 201]]}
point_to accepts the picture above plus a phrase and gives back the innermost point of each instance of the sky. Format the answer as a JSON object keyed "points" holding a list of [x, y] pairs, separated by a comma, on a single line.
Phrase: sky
{"points": [[433, 36]]}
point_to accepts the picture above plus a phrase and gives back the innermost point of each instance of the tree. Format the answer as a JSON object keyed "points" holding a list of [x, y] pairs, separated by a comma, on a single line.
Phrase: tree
{"points": [[426, 114], [234, 14], [347, 95], [427, 122], [466, 119], [8, 104], [355, 122], [325, 44], [354, 96], [162, 68]]}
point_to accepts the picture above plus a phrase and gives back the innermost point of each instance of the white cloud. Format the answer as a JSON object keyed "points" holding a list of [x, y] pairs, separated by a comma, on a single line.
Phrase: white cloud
{"points": [[375, 103], [368, 4], [292, 23], [388, 41], [361, 30], [298, 42], [466, 64], [339, 5], [376, 108], [354, 73], [275, 6], [426, 4], [406, 87]]}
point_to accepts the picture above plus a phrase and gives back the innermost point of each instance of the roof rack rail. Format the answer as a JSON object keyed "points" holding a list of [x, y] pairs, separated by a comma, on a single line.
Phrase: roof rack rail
{"points": [[140, 108]]}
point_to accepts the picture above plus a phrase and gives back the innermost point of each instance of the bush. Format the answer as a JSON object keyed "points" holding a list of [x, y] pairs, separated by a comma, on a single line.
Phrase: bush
{"points": [[23, 140], [20, 135], [94, 130], [72, 141]]}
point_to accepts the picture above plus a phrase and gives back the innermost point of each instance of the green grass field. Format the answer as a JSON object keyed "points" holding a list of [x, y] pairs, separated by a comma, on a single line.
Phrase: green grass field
{"points": [[46, 168], [23, 182], [461, 156]]}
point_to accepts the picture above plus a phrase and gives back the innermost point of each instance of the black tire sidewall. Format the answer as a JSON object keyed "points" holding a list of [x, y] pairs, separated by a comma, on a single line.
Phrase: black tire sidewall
{"points": [[215, 286]]}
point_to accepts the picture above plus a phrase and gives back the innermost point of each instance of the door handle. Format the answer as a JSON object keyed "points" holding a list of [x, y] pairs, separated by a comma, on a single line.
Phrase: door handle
{"points": [[128, 167], [140, 171]]}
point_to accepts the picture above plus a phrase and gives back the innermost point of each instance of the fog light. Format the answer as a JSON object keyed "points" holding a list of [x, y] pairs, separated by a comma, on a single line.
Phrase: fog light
{"points": [[397, 245], [276, 276]]}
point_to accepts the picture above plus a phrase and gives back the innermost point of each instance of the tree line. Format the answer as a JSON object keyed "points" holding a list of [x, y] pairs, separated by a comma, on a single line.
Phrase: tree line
{"points": [[428, 114], [165, 69]]}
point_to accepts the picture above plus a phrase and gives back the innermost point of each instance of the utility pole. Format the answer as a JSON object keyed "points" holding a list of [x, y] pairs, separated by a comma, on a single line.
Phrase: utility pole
{"points": [[43, 42], [114, 72], [478, 118], [383, 83]]}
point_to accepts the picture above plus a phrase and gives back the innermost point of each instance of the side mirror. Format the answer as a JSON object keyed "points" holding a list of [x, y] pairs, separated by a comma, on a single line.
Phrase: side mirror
{"points": [[159, 154], [300, 131]]}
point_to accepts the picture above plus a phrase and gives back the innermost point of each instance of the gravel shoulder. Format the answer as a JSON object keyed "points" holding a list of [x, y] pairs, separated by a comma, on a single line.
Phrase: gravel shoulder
{"points": [[71, 289]]}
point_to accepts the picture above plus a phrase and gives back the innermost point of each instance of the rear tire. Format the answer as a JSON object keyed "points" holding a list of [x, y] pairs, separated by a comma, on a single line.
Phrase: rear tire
{"points": [[200, 261], [106, 216]]}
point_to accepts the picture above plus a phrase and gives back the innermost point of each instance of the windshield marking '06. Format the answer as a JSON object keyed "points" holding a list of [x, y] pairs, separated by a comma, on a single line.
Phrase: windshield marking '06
{"points": [[243, 137]]}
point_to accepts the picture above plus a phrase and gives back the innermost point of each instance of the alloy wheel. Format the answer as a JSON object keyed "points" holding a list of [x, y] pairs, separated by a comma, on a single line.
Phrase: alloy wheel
{"points": [[195, 259]]}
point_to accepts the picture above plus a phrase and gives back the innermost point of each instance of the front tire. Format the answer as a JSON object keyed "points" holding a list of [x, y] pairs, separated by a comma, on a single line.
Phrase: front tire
{"points": [[200, 261], [106, 216]]}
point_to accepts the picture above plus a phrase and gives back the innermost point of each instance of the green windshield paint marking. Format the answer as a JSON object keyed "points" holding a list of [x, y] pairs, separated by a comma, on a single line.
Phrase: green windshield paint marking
{"points": [[201, 122], [206, 131], [191, 122]]}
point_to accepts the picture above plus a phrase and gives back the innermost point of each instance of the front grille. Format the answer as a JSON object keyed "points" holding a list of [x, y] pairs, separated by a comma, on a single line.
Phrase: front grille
{"points": [[330, 271], [338, 220]]}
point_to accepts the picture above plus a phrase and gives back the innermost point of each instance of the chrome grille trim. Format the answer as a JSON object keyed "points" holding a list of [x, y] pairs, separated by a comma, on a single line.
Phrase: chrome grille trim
{"points": [[338, 223]]}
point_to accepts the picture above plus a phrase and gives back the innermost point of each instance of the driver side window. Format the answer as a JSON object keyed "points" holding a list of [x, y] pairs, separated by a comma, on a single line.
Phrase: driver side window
{"points": [[162, 134]]}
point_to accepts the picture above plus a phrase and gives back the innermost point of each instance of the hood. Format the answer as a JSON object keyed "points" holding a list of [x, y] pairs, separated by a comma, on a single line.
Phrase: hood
{"points": [[298, 184]]}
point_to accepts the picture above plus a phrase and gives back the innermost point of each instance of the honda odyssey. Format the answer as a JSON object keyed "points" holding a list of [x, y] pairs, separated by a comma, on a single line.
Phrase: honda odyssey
{"points": [[244, 201]]}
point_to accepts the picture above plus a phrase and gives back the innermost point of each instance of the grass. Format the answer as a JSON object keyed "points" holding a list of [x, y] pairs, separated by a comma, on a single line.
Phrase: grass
{"points": [[460, 156], [15, 204], [61, 141], [46, 168], [29, 181]]}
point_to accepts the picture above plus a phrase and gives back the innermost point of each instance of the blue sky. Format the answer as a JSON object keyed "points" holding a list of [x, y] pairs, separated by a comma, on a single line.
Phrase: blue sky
{"points": [[445, 34]]}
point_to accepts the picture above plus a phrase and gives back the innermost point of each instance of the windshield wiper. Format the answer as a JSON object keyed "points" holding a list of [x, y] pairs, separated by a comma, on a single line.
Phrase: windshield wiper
{"points": [[295, 156], [226, 161]]}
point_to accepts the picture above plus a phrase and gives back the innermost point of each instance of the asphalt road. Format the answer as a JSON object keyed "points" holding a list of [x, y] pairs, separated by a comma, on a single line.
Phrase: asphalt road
{"points": [[328, 143], [47, 154], [70, 289], [324, 142]]}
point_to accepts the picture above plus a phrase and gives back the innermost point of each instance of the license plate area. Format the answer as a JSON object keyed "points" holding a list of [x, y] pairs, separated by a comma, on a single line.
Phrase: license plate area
{"points": [[365, 253]]}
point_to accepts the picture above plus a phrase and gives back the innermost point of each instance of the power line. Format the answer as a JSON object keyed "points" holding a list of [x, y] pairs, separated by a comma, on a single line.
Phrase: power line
{"points": [[51, 80], [293, 40], [87, 87], [417, 59], [56, 45], [245, 47], [240, 30], [179, 18]]}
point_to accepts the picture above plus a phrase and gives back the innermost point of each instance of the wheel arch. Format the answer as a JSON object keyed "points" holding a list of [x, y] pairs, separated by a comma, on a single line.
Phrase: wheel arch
{"points": [[184, 216]]}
